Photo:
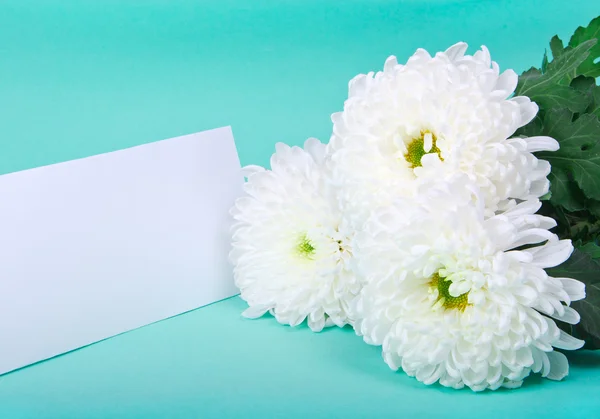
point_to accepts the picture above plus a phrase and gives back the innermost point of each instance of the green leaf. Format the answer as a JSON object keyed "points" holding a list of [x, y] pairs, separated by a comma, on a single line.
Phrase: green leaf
{"points": [[556, 46], [583, 83], [588, 86], [584, 229], [534, 128], [584, 34], [528, 76], [579, 155], [545, 62], [561, 96], [551, 89], [593, 207], [596, 101], [565, 192], [589, 310], [568, 61], [582, 267], [568, 96], [591, 249], [579, 266]]}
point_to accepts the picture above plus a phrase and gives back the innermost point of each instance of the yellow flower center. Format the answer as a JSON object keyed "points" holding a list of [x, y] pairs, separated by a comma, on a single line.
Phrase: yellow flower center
{"points": [[447, 300], [305, 247], [416, 149]]}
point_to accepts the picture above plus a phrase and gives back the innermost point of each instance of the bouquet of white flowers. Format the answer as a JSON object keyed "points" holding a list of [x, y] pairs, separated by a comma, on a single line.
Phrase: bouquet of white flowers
{"points": [[440, 220]]}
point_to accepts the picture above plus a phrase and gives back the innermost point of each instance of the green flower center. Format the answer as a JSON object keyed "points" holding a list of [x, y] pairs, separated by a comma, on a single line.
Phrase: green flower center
{"points": [[416, 149], [448, 301], [305, 247]]}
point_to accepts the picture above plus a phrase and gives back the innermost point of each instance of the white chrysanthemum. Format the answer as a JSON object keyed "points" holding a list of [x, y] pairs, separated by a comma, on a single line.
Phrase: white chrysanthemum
{"points": [[430, 118], [291, 249], [451, 300]]}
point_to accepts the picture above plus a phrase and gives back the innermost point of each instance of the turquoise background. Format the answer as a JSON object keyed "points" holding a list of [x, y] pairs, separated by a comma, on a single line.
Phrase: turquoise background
{"points": [[83, 77]]}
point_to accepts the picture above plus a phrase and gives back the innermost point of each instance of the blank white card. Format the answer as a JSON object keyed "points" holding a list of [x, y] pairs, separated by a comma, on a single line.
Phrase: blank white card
{"points": [[95, 247]]}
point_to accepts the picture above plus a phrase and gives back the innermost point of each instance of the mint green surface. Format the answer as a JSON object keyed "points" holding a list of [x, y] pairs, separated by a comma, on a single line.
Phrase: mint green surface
{"points": [[84, 77], [213, 364]]}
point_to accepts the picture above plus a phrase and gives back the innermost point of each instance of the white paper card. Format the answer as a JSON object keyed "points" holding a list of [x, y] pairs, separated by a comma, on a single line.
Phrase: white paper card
{"points": [[95, 247]]}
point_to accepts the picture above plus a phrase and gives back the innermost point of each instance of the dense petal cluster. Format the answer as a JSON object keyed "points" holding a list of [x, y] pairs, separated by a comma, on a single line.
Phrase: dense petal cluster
{"points": [[291, 248], [417, 224], [430, 118], [452, 299]]}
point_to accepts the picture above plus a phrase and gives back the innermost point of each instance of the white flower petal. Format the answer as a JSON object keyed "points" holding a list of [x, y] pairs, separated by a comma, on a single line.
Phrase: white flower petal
{"points": [[559, 366], [254, 312], [291, 247], [566, 341], [574, 288], [552, 254], [457, 51], [431, 119], [247, 171], [465, 310], [570, 316], [507, 83], [390, 64], [535, 144], [528, 108], [428, 142]]}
